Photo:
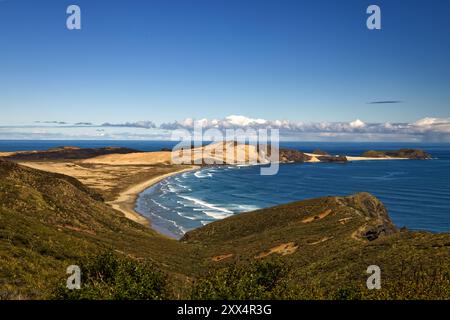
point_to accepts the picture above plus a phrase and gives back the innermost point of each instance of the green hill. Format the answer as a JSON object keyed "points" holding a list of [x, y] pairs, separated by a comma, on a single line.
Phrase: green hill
{"points": [[328, 243], [49, 221], [317, 248]]}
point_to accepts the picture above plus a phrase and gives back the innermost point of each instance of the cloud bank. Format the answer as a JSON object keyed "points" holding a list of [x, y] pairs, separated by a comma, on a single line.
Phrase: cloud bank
{"points": [[138, 124], [424, 130]]}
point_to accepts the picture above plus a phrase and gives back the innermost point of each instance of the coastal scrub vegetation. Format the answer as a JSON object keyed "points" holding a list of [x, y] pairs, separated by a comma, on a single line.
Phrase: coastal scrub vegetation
{"points": [[109, 276], [276, 280], [255, 280]]}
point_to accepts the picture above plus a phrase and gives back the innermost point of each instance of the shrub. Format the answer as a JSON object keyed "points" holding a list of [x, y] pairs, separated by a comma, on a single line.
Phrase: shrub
{"points": [[256, 280], [108, 276]]}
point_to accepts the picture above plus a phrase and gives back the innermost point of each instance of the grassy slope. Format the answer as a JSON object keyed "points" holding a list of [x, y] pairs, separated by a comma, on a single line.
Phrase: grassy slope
{"points": [[332, 253], [49, 221]]}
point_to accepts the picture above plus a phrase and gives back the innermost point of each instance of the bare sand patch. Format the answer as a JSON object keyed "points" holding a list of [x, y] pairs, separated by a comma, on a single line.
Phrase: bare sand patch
{"points": [[221, 257], [282, 249], [317, 217], [138, 158], [320, 241]]}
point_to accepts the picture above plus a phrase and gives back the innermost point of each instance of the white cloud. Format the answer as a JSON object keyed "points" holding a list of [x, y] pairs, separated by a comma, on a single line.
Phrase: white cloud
{"points": [[243, 121], [357, 124]]}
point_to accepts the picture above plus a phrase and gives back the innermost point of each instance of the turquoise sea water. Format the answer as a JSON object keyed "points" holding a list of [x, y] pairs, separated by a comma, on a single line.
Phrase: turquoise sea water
{"points": [[416, 193]]}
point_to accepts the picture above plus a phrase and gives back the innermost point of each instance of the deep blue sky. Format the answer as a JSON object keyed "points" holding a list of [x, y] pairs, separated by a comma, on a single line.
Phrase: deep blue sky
{"points": [[166, 60]]}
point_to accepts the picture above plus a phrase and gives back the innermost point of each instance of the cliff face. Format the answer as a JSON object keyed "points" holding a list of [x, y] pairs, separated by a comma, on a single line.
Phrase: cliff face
{"points": [[377, 221]]}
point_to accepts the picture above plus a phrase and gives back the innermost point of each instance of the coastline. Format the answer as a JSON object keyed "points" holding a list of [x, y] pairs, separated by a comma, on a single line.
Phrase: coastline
{"points": [[120, 178], [125, 202]]}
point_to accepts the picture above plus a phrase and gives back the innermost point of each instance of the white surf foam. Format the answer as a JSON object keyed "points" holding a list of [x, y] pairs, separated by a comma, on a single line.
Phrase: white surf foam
{"points": [[247, 207], [202, 174], [216, 213], [160, 205]]}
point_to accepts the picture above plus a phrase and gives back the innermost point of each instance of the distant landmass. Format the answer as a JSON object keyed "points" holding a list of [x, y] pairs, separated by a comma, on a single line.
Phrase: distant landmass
{"points": [[216, 152], [65, 152], [402, 153]]}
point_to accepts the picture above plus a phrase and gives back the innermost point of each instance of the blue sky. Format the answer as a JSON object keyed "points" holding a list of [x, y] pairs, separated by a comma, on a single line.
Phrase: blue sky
{"points": [[167, 60]]}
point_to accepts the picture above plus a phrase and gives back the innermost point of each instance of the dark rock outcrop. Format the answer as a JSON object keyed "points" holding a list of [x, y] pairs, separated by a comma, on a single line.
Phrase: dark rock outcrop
{"points": [[378, 221], [320, 152], [332, 159], [290, 155]]}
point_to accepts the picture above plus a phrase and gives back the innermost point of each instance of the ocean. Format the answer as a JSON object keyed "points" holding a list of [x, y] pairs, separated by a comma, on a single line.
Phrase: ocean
{"points": [[416, 193]]}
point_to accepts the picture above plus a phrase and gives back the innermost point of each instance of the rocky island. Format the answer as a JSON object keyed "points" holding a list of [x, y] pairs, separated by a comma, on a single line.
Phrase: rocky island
{"points": [[415, 154]]}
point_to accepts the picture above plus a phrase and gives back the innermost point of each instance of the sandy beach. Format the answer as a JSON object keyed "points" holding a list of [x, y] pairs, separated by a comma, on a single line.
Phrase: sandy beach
{"points": [[126, 200]]}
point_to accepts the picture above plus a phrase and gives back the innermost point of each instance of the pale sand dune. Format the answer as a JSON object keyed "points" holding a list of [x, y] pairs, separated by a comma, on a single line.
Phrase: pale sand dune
{"points": [[313, 157], [224, 152], [119, 184], [138, 158], [6, 154], [216, 153], [99, 177]]}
